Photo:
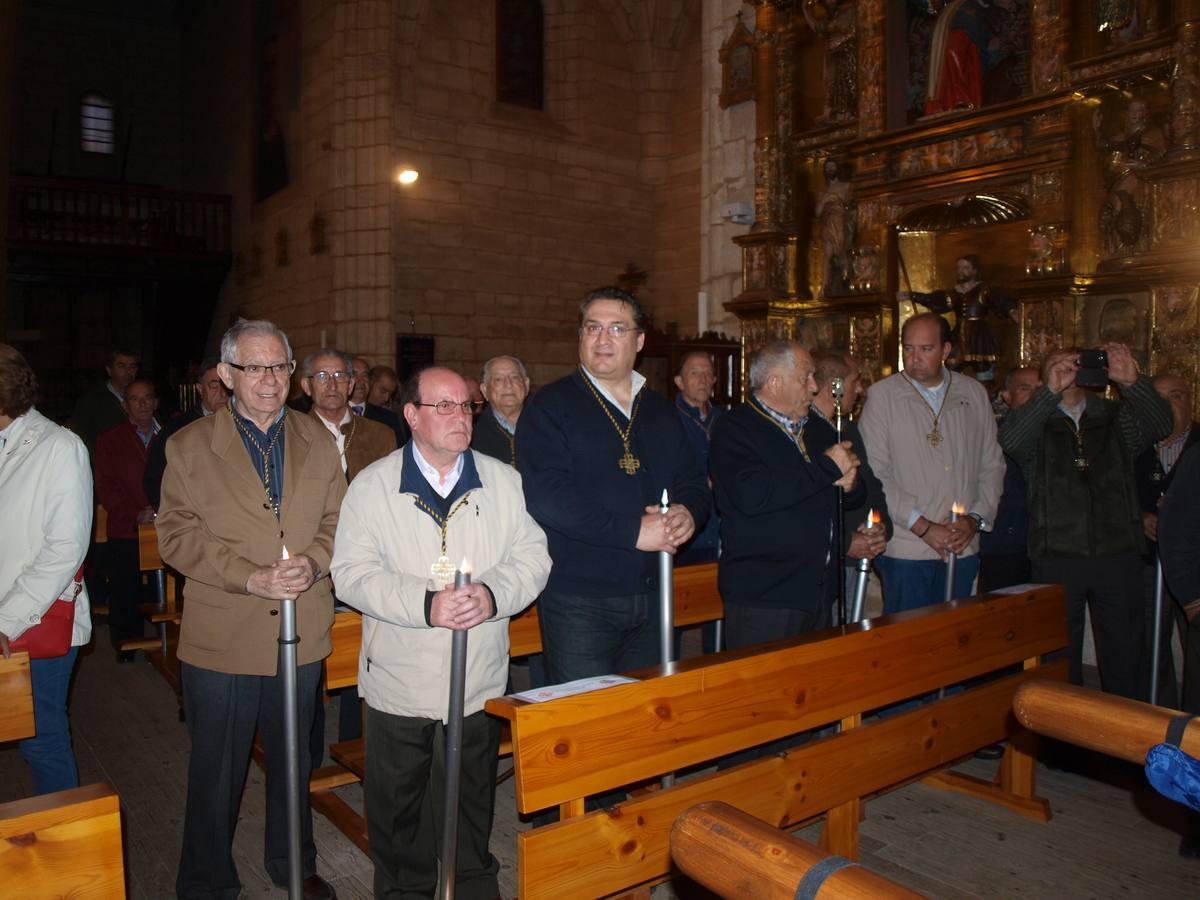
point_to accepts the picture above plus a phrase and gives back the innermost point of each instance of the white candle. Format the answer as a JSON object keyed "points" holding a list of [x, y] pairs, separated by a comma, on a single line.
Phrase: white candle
{"points": [[463, 576], [286, 555]]}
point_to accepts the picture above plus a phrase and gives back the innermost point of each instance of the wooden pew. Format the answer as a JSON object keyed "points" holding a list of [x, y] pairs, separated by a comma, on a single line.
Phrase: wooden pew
{"points": [[16, 698], [99, 536], [569, 749], [66, 844], [697, 600], [739, 857], [165, 614]]}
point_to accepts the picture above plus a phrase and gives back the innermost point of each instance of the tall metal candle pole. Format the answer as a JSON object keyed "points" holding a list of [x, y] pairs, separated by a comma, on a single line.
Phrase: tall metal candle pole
{"points": [[666, 603], [951, 559], [1156, 631], [864, 569], [837, 388], [454, 730], [288, 639]]}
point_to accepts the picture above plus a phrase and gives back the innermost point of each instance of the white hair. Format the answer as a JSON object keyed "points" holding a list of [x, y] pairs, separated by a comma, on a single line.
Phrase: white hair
{"points": [[246, 328], [487, 367]]}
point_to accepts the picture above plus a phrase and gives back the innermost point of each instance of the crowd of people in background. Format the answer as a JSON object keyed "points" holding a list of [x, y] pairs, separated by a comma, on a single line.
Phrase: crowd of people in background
{"points": [[365, 491]]}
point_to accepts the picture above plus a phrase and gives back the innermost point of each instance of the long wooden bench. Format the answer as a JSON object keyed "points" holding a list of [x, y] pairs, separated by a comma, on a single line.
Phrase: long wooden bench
{"points": [[568, 749], [697, 600], [66, 844]]}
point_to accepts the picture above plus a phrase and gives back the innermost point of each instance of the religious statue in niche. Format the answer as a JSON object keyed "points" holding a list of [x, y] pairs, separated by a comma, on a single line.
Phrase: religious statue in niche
{"points": [[835, 219], [972, 301], [1136, 144], [737, 66], [1122, 21], [966, 54], [836, 21]]}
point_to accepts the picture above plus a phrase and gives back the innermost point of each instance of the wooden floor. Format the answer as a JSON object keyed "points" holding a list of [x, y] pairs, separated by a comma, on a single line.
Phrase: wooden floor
{"points": [[1111, 836]]}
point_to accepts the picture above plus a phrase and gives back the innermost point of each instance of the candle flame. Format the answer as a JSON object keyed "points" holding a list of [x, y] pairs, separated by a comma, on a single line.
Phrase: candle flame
{"points": [[958, 509], [464, 566], [665, 500], [874, 518], [286, 555]]}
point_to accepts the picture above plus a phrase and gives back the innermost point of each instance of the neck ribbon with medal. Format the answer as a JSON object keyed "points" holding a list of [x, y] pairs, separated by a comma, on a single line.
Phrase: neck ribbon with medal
{"points": [[442, 569], [934, 437], [628, 463], [265, 473]]}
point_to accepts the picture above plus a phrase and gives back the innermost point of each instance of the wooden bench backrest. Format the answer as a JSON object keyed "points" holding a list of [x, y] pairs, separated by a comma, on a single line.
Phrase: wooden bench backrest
{"points": [[100, 525], [588, 744], [696, 600], [66, 844], [16, 698], [149, 558]]}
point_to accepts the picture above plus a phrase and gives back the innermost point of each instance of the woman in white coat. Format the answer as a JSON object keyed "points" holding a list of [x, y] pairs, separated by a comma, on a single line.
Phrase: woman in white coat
{"points": [[46, 499]]}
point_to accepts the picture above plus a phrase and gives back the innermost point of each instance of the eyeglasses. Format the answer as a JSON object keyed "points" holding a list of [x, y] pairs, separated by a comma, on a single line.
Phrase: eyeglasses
{"points": [[324, 377], [254, 370], [616, 329], [448, 407]]}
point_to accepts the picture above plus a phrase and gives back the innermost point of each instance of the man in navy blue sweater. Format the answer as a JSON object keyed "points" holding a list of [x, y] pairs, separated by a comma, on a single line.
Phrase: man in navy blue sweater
{"points": [[595, 451], [775, 468]]}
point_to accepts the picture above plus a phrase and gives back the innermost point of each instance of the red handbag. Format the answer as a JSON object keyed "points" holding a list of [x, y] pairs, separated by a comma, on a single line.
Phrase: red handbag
{"points": [[51, 637]]}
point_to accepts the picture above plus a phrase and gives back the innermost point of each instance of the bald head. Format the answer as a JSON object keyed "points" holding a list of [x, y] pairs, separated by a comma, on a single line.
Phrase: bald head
{"points": [[1177, 392], [441, 435]]}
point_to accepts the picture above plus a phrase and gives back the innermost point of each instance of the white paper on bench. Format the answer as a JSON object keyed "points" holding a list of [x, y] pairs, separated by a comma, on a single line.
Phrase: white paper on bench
{"points": [[570, 688], [1018, 588]]}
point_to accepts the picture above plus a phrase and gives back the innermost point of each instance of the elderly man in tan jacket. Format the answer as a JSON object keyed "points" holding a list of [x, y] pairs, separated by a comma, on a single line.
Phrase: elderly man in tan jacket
{"points": [[241, 486], [408, 522], [931, 439]]}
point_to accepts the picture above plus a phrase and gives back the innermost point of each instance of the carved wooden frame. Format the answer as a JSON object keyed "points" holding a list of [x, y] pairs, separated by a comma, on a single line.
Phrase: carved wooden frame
{"points": [[740, 39]]}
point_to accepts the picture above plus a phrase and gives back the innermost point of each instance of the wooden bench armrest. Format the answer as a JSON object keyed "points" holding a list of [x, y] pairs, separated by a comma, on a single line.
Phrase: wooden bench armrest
{"points": [[16, 698]]}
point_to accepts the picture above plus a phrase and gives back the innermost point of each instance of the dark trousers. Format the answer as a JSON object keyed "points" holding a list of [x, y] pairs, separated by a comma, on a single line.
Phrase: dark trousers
{"points": [[747, 625], [223, 712], [1112, 588], [1003, 570], [405, 794], [916, 583], [124, 603], [587, 636]]}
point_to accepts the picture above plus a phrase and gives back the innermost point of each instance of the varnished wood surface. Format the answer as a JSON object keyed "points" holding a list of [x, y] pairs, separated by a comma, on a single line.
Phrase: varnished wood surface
{"points": [[584, 745], [16, 698], [740, 857], [66, 844], [148, 555], [1117, 726], [1112, 837], [609, 849]]}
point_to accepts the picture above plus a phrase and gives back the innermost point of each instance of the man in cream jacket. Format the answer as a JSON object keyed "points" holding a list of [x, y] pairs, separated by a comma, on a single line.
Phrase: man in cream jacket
{"points": [[408, 521]]}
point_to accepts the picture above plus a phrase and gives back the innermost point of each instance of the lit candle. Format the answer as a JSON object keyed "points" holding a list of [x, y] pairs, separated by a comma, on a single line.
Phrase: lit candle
{"points": [[463, 576], [952, 558], [286, 555]]}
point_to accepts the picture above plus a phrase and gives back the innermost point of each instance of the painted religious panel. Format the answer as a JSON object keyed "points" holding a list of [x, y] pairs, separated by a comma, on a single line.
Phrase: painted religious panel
{"points": [[1122, 318], [965, 54]]}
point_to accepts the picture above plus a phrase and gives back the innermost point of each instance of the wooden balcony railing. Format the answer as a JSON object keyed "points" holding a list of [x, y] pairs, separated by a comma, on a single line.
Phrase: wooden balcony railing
{"points": [[64, 213]]}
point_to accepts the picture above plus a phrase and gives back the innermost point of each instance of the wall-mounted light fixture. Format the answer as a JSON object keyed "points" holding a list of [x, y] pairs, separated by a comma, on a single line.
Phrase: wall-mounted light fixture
{"points": [[407, 176]]}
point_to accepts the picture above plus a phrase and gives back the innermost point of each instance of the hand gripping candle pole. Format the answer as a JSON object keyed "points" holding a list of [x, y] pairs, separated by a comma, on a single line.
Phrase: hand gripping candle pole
{"points": [[666, 603], [838, 388], [288, 639], [951, 558], [454, 730], [864, 569]]}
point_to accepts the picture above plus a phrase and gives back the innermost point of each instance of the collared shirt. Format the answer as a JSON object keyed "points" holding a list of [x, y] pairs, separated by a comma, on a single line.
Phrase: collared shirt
{"points": [[146, 437], [358, 408], [256, 442], [8, 430], [443, 488], [696, 416], [504, 423], [205, 411], [112, 390], [933, 395], [637, 380], [794, 426], [338, 435], [1170, 450], [1074, 413]]}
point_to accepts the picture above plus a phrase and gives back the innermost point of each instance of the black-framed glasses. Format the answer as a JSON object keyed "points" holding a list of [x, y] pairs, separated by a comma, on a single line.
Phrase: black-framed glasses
{"points": [[447, 407], [323, 377], [254, 370], [616, 329]]}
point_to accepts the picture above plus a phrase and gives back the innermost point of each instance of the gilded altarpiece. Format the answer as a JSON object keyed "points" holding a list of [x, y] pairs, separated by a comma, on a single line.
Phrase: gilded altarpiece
{"points": [[1068, 165]]}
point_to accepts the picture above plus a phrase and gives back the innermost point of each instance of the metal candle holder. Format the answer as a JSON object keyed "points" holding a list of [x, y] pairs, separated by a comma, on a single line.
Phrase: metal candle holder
{"points": [[288, 639], [666, 604], [454, 730], [951, 562]]}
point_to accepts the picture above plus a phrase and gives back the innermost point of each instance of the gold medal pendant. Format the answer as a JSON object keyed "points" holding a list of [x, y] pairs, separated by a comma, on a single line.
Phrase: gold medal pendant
{"points": [[442, 571], [934, 437], [629, 463]]}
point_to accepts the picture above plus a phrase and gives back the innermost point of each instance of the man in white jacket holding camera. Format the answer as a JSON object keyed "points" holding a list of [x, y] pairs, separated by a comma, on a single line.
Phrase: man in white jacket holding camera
{"points": [[408, 521]]}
